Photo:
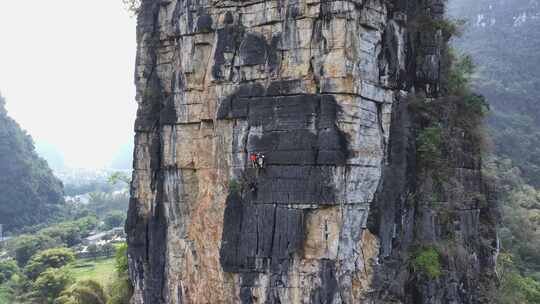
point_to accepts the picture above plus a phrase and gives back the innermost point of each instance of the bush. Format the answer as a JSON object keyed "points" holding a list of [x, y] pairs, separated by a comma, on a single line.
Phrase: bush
{"points": [[50, 283], [86, 225], [458, 73], [68, 233], [234, 186], [427, 261], [121, 260], [114, 219], [93, 250], [429, 142], [448, 28], [24, 247], [51, 258], [121, 289], [476, 104], [132, 5], [84, 292], [108, 249], [119, 177], [101, 203], [7, 269], [514, 287]]}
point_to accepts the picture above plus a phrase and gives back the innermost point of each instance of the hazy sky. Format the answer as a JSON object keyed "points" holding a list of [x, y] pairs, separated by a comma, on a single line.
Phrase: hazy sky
{"points": [[66, 71]]}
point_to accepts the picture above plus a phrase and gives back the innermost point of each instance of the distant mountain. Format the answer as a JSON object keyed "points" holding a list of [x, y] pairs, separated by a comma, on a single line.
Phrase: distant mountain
{"points": [[29, 192], [51, 154], [503, 37]]}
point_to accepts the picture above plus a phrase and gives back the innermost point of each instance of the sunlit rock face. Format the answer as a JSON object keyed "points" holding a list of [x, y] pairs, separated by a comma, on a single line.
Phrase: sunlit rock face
{"points": [[310, 85]]}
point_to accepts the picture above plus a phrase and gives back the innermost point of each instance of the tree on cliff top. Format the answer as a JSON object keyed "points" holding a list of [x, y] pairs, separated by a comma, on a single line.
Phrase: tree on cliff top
{"points": [[132, 5], [31, 194]]}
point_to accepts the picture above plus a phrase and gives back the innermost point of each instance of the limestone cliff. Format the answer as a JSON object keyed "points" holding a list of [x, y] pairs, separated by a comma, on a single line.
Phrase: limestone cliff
{"points": [[321, 89]]}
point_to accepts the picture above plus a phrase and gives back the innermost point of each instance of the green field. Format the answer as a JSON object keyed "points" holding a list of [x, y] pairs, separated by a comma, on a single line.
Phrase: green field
{"points": [[100, 269]]}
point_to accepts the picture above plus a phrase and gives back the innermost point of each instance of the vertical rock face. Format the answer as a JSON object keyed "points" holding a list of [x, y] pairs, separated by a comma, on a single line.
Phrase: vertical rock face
{"points": [[320, 88]]}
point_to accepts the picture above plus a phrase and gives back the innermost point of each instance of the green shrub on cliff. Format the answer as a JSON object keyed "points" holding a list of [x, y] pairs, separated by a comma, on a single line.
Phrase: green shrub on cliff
{"points": [[459, 73], [429, 141], [427, 261]]}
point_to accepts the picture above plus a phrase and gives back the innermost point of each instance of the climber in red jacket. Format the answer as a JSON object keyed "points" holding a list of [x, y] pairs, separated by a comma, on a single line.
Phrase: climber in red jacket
{"points": [[257, 160]]}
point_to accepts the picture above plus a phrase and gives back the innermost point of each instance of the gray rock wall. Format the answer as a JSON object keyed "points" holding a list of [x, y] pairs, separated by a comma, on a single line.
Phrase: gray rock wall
{"points": [[319, 88]]}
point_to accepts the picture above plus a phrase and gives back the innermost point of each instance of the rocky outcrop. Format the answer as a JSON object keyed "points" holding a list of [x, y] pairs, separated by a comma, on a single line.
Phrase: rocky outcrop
{"points": [[320, 88]]}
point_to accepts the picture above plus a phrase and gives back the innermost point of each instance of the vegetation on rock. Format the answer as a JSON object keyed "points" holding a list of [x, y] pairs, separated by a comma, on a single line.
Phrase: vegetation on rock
{"points": [[508, 76], [428, 262]]}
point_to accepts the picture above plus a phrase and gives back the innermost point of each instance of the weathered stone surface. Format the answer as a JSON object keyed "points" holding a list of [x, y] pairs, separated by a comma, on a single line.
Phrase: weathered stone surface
{"points": [[319, 88]]}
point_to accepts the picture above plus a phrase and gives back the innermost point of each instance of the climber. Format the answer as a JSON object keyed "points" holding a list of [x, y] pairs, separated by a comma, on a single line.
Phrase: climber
{"points": [[260, 160], [257, 160], [253, 159]]}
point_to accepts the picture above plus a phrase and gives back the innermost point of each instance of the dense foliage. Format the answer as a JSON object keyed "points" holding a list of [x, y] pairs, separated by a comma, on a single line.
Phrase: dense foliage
{"points": [[63, 234], [114, 219], [44, 268], [101, 203], [84, 292], [427, 261], [500, 41], [7, 269], [30, 192], [49, 277], [51, 258], [121, 288], [49, 284]]}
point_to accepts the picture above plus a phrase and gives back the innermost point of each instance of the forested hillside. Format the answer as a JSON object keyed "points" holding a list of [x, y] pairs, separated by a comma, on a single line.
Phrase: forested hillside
{"points": [[29, 192], [503, 39]]}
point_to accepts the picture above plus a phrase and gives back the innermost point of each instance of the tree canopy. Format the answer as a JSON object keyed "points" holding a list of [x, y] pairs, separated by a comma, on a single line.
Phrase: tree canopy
{"points": [[31, 194]]}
